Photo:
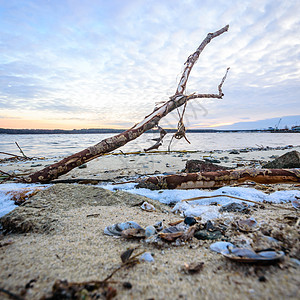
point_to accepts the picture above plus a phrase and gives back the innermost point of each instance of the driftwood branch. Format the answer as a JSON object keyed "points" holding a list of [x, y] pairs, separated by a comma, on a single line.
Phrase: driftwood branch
{"points": [[107, 145], [222, 178]]}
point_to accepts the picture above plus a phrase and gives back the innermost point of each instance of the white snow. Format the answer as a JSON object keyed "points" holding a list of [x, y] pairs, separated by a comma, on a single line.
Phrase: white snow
{"points": [[6, 202], [201, 207]]}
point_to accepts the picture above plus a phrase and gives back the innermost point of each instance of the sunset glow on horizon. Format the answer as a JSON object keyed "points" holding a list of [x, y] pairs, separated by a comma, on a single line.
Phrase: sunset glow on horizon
{"points": [[105, 64]]}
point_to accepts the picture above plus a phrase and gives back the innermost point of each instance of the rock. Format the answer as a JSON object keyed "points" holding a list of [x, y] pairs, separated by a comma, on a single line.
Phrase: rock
{"points": [[288, 160], [234, 152], [194, 166], [235, 207], [208, 235]]}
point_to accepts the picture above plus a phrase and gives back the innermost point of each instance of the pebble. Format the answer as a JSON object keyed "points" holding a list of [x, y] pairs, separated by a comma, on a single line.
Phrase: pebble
{"points": [[220, 246], [149, 231], [147, 257]]}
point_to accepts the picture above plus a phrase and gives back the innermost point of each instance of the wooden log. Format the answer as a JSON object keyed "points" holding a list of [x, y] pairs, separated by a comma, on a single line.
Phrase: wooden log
{"points": [[107, 145], [222, 178]]}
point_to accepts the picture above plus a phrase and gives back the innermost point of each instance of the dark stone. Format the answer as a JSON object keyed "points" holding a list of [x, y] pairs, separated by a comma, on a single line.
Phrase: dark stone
{"points": [[234, 152], [194, 166], [208, 235], [235, 207], [288, 160], [190, 221], [127, 285]]}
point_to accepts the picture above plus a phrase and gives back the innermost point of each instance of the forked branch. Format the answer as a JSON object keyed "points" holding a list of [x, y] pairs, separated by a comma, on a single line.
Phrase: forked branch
{"points": [[107, 145]]}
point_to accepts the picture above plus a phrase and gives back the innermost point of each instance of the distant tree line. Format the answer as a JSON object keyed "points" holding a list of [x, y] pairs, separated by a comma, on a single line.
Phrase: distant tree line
{"points": [[86, 131]]}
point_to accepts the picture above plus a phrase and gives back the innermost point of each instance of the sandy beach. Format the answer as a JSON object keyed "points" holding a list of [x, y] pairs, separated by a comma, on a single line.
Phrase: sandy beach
{"points": [[58, 235]]}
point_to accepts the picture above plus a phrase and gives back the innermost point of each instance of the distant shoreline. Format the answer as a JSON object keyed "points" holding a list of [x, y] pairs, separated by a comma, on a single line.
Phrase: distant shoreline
{"points": [[110, 130]]}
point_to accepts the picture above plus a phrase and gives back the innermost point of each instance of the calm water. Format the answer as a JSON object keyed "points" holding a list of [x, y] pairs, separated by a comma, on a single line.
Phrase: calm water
{"points": [[65, 144]]}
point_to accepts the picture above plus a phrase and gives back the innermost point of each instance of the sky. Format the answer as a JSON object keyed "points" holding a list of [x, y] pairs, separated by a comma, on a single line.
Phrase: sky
{"points": [[74, 64]]}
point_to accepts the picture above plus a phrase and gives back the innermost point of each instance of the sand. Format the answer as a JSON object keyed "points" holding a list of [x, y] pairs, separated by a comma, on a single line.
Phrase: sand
{"points": [[58, 234]]}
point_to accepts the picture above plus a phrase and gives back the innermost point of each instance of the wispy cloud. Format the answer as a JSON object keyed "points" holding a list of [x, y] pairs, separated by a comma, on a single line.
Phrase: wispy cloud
{"points": [[112, 60]]}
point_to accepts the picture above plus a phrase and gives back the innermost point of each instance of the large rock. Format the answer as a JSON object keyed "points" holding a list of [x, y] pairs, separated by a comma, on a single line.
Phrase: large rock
{"points": [[194, 166], [289, 160]]}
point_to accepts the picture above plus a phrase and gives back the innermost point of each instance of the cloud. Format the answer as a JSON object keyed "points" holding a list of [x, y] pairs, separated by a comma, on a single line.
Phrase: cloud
{"points": [[115, 59]]}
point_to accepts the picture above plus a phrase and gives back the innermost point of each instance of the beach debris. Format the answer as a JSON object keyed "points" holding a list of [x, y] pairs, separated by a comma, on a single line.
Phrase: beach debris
{"points": [[116, 229], [296, 203], [126, 254], [193, 268], [149, 231], [220, 246], [159, 226], [247, 225], [4, 244], [235, 207], [208, 235], [20, 195], [194, 166], [147, 207], [127, 285], [10, 294], [131, 233], [289, 160], [147, 257], [170, 236], [62, 289], [208, 232], [190, 221], [83, 166], [159, 141], [178, 99], [222, 178], [247, 255]]}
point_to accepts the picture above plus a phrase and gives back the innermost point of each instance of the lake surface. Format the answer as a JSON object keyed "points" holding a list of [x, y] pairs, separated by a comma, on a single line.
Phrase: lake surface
{"points": [[52, 145]]}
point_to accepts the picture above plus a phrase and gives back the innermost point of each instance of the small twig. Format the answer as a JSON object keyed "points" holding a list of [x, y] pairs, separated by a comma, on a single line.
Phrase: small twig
{"points": [[21, 150], [14, 155], [233, 197], [128, 262], [10, 294], [159, 140]]}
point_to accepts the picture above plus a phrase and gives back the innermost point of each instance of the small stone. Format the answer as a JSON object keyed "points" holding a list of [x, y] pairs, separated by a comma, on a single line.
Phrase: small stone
{"points": [[235, 207], [208, 235], [83, 166], [147, 257], [190, 221], [149, 231], [234, 152], [127, 285]]}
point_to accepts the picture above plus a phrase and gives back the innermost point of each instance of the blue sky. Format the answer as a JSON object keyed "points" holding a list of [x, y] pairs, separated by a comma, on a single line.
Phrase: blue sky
{"points": [[96, 63]]}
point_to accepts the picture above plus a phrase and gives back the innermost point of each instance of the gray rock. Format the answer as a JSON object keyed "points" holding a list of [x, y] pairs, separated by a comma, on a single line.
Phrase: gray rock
{"points": [[193, 166], [288, 160]]}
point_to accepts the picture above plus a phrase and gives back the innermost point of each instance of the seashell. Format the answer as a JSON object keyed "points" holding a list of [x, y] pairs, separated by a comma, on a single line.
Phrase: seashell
{"points": [[116, 229], [159, 226], [296, 203], [147, 207], [220, 246], [193, 268], [147, 256], [170, 236], [249, 256], [150, 230], [172, 229], [247, 225], [133, 233]]}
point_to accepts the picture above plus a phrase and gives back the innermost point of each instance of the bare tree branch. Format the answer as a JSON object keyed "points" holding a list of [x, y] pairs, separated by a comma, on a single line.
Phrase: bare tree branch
{"points": [[107, 145], [221, 178]]}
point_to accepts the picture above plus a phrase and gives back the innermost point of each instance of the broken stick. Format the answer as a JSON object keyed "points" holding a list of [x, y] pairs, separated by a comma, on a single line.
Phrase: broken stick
{"points": [[107, 145]]}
